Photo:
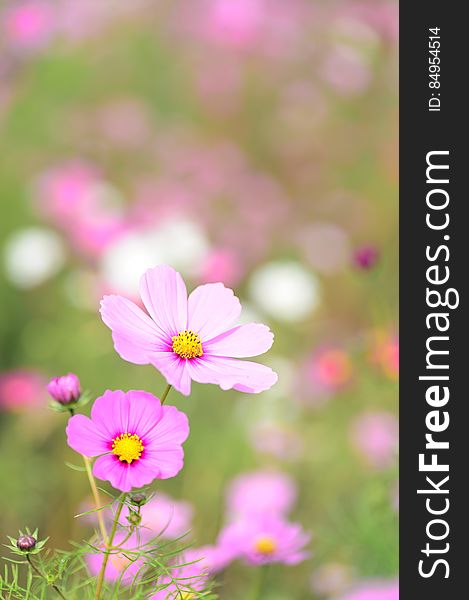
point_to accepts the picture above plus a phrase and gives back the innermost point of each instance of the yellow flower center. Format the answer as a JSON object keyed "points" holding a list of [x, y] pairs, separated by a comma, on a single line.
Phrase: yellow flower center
{"points": [[187, 344], [128, 447], [265, 546]]}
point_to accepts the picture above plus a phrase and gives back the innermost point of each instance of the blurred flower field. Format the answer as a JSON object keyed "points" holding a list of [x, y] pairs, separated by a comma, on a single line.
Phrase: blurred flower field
{"points": [[249, 142]]}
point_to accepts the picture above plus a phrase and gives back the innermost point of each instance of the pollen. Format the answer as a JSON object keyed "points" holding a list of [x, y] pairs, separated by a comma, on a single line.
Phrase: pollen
{"points": [[187, 344], [265, 546], [128, 447]]}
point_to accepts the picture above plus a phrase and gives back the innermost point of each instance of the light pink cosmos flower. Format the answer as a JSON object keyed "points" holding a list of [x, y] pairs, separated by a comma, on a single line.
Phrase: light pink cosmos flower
{"points": [[120, 564], [165, 517], [29, 24], [375, 436], [264, 539], [190, 576], [385, 590], [135, 439], [189, 338], [261, 492]]}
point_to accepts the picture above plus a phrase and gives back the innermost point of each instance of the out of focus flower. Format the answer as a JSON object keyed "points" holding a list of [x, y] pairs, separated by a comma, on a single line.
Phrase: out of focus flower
{"points": [[285, 290], [179, 242], [28, 24], [120, 563], [325, 246], [188, 339], [135, 439], [162, 516], [190, 575], [347, 70], [260, 492], [276, 439], [331, 579], [329, 370], [21, 390], [365, 257], [65, 389], [221, 265], [32, 256], [264, 539], [378, 590], [384, 353], [375, 436]]}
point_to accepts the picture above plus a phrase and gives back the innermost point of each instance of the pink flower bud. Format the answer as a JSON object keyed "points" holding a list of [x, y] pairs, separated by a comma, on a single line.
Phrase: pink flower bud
{"points": [[65, 389]]}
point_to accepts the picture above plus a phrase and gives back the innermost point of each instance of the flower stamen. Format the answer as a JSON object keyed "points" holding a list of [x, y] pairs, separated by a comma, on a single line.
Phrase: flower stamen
{"points": [[265, 546], [187, 344], [128, 447]]}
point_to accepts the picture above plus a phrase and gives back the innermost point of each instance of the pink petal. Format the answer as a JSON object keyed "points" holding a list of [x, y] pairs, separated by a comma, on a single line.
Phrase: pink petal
{"points": [[118, 473], [244, 376], [167, 463], [84, 437], [212, 309], [240, 342], [174, 370], [145, 412], [164, 295], [110, 413], [135, 335]]}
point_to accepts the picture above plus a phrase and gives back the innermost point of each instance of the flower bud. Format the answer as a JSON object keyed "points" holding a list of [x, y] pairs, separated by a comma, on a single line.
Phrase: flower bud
{"points": [[26, 543], [366, 257], [65, 389], [134, 518], [138, 499]]}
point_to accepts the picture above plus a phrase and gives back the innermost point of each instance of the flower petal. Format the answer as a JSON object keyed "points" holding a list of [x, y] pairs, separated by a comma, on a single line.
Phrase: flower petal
{"points": [[84, 437], [241, 375], [240, 342], [144, 412], [118, 473], [174, 370], [163, 445], [134, 334], [212, 309], [165, 297], [110, 413]]}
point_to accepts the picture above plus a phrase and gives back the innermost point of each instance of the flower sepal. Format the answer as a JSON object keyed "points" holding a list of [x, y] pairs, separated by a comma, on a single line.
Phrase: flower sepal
{"points": [[26, 543], [71, 407]]}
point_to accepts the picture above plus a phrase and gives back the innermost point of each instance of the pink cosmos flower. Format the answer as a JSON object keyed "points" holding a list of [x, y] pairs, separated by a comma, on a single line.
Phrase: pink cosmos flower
{"points": [[375, 435], [135, 439], [120, 564], [29, 24], [189, 338], [190, 576], [261, 492], [264, 539], [165, 517], [386, 590]]}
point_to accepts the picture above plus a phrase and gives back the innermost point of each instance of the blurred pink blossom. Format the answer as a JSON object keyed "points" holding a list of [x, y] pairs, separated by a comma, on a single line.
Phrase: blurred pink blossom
{"points": [[375, 436], [261, 492], [21, 390], [120, 563], [384, 590], [162, 516], [346, 70], [221, 265], [29, 24], [190, 573], [265, 538], [331, 579], [277, 440]]}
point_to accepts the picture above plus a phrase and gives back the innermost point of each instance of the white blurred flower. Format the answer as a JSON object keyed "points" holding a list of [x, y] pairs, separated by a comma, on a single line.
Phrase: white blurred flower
{"points": [[285, 290], [179, 243], [33, 255]]}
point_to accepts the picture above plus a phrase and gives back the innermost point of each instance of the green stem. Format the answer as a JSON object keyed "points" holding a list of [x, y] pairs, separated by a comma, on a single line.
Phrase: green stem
{"points": [[165, 394], [41, 575], [107, 552], [259, 583], [97, 500]]}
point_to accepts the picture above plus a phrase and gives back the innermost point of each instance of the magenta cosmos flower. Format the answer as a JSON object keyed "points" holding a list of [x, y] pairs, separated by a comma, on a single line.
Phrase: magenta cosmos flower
{"points": [[135, 439], [189, 338], [121, 565], [264, 539], [190, 575]]}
